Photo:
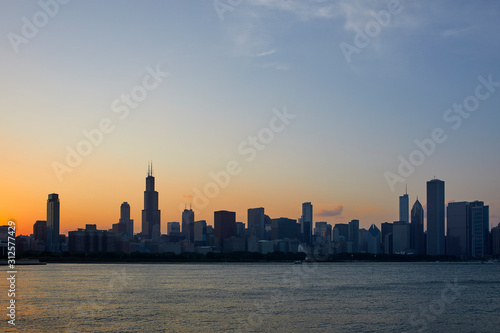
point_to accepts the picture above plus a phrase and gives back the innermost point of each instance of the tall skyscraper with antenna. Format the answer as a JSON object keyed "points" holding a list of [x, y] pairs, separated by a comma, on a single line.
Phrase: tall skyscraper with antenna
{"points": [[151, 214]]}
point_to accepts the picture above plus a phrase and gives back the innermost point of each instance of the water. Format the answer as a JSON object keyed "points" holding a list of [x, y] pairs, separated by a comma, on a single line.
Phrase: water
{"points": [[341, 297]]}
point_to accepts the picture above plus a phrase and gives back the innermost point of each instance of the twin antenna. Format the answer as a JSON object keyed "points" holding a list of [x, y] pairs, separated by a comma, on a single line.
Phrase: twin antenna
{"points": [[150, 169]]}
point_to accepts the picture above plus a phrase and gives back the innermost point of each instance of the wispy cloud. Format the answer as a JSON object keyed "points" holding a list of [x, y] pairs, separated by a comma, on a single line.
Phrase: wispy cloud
{"points": [[304, 10], [266, 53], [333, 212], [457, 32], [277, 66]]}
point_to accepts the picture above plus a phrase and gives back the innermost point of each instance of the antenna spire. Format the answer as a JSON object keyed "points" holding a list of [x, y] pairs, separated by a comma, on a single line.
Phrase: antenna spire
{"points": [[406, 189]]}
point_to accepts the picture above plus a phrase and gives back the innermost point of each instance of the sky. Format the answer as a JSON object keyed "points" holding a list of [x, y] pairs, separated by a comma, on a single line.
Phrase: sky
{"points": [[246, 103]]}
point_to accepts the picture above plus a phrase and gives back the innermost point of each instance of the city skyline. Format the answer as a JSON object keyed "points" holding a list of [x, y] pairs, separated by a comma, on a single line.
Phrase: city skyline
{"points": [[265, 91], [255, 216]]}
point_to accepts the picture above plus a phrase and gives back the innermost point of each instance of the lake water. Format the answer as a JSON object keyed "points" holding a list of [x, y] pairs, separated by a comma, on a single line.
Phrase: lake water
{"points": [[333, 297]]}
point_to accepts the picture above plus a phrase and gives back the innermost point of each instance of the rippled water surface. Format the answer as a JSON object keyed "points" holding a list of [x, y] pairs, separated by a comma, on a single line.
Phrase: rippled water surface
{"points": [[343, 297]]}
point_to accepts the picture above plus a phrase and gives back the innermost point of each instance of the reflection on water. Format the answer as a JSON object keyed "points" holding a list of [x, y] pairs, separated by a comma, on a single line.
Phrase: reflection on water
{"points": [[344, 297]]}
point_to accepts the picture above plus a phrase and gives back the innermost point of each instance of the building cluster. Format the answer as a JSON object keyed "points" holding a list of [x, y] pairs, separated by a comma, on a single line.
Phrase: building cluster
{"points": [[467, 231]]}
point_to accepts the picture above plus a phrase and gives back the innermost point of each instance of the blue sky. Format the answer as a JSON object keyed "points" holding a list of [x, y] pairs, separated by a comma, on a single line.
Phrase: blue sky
{"points": [[226, 76]]}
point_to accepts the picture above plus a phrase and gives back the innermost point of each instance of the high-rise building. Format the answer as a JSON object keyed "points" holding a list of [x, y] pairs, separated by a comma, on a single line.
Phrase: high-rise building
{"points": [[256, 223], [323, 231], [125, 225], [284, 228], [480, 223], [151, 214], [404, 205], [495, 240], [386, 238], [200, 233], [173, 228], [353, 237], [40, 231], [374, 240], [417, 228], [458, 229], [401, 237], [188, 224], [224, 225], [435, 217], [306, 222], [53, 223]]}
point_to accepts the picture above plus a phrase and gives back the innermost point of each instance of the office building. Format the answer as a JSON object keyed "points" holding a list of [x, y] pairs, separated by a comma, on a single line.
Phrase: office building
{"points": [[386, 237], [417, 228], [125, 225], [188, 225], [224, 225], [90, 240], [52, 244], [404, 208], [200, 233], [458, 229], [40, 231], [495, 240], [256, 222], [480, 224], [435, 217], [401, 237], [151, 228], [353, 237], [306, 222], [374, 240]]}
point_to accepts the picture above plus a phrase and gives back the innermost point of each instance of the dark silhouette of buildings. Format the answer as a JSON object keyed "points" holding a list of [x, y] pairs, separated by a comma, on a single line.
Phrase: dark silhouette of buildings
{"points": [[417, 228], [224, 225], [53, 223], [495, 240], [91, 240], [458, 229], [40, 230], [404, 205], [480, 224], [188, 225], [283, 227], [435, 217], [125, 225], [353, 236], [256, 223], [151, 214], [306, 222]]}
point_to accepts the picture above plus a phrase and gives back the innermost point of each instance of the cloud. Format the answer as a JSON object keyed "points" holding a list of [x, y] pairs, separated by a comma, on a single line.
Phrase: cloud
{"points": [[266, 53], [304, 10], [334, 212], [457, 32], [277, 66]]}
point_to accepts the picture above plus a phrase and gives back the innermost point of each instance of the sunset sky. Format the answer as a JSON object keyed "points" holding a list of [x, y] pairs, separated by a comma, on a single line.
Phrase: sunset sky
{"points": [[207, 77]]}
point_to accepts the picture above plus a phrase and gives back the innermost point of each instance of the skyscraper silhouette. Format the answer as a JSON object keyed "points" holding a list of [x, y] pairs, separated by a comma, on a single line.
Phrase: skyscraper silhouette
{"points": [[458, 229], [480, 225], [417, 228], [256, 222], [224, 225], [151, 213], [306, 222], [53, 223], [435, 217], [404, 205], [125, 219], [188, 225]]}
